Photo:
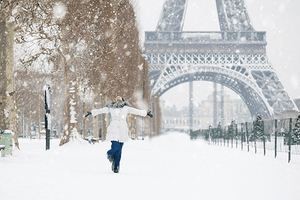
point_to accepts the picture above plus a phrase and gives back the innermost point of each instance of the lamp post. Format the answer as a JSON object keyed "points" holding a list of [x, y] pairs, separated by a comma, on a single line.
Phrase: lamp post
{"points": [[143, 123], [47, 115]]}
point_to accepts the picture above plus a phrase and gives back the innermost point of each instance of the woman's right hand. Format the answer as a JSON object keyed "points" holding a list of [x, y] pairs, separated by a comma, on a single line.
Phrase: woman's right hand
{"points": [[88, 113]]}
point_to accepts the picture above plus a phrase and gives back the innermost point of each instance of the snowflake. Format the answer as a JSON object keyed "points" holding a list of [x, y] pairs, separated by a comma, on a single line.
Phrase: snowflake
{"points": [[59, 10]]}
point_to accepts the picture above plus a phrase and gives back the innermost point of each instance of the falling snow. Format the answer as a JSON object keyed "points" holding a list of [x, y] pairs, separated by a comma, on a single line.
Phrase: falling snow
{"points": [[59, 10]]}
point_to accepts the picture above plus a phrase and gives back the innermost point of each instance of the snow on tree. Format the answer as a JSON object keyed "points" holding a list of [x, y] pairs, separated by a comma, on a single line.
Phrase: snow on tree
{"points": [[59, 10], [296, 131], [231, 129], [258, 130], [93, 44]]}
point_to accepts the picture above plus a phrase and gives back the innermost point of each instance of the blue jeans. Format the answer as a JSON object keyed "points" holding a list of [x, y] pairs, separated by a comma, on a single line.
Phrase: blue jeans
{"points": [[116, 151]]}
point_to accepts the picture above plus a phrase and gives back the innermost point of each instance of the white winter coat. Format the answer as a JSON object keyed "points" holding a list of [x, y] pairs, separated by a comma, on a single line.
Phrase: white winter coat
{"points": [[118, 129]]}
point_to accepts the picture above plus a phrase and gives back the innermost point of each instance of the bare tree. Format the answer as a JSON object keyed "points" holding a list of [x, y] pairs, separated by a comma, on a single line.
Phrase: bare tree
{"points": [[7, 106], [93, 45], [43, 24]]}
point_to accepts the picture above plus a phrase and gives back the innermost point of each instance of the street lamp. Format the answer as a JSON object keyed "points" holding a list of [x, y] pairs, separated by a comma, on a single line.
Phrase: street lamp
{"points": [[48, 115], [143, 128]]}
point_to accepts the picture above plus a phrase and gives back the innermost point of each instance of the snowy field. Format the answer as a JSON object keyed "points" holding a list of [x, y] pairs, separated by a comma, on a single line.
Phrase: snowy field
{"points": [[167, 167]]}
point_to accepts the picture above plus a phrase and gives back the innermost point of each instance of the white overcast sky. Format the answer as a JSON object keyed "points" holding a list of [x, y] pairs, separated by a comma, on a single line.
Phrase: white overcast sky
{"points": [[279, 18]]}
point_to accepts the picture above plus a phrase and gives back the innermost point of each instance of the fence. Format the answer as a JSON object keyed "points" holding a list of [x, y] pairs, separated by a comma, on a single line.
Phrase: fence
{"points": [[279, 135]]}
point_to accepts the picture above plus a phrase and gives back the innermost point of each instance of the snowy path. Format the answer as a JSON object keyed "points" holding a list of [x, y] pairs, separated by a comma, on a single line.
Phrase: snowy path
{"points": [[168, 167]]}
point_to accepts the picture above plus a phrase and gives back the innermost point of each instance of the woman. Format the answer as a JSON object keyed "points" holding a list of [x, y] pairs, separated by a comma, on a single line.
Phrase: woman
{"points": [[117, 131]]}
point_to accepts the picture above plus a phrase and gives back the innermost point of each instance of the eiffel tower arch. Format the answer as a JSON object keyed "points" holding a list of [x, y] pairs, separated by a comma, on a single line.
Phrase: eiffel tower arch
{"points": [[234, 57]]}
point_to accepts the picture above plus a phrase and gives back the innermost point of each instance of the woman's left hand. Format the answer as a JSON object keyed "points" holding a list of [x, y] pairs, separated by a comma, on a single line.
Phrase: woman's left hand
{"points": [[149, 114]]}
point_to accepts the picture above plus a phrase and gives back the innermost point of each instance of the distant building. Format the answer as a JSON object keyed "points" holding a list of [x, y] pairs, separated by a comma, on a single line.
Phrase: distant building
{"points": [[234, 109]]}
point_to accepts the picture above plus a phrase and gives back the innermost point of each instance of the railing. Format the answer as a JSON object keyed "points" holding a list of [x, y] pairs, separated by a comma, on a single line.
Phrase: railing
{"points": [[205, 37], [279, 135]]}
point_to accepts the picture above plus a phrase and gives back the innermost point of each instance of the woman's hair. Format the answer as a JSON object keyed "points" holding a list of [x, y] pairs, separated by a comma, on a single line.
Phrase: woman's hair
{"points": [[118, 99]]}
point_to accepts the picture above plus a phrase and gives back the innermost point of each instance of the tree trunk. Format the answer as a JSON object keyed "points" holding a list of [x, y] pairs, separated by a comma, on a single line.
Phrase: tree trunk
{"points": [[131, 123], [71, 108], [86, 121], [84, 106], [30, 124], [39, 124], [71, 125], [66, 130], [58, 130], [73, 91], [103, 119], [96, 118], [7, 103]]}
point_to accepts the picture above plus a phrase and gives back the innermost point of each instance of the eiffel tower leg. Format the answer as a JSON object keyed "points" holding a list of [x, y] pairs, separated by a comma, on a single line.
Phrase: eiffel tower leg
{"points": [[215, 114], [273, 91], [191, 105], [222, 106]]}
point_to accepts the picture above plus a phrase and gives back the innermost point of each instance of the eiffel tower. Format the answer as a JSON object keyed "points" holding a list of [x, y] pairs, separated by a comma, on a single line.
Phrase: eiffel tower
{"points": [[234, 57]]}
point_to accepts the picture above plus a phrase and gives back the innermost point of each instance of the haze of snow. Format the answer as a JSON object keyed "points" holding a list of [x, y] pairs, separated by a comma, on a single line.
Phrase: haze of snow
{"points": [[167, 167]]}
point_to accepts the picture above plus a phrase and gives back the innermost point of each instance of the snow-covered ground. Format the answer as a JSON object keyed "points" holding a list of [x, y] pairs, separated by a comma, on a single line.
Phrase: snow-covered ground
{"points": [[167, 167]]}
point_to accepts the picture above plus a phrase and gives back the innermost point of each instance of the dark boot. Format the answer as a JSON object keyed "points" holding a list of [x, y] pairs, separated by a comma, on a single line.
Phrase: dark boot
{"points": [[110, 158], [116, 169], [113, 166]]}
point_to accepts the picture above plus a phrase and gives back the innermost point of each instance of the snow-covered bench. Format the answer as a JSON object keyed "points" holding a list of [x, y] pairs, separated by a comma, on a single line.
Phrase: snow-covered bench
{"points": [[92, 140], [2, 147]]}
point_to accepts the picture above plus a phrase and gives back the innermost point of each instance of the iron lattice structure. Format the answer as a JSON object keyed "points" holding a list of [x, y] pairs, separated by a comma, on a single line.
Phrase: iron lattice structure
{"points": [[172, 16], [234, 57]]}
